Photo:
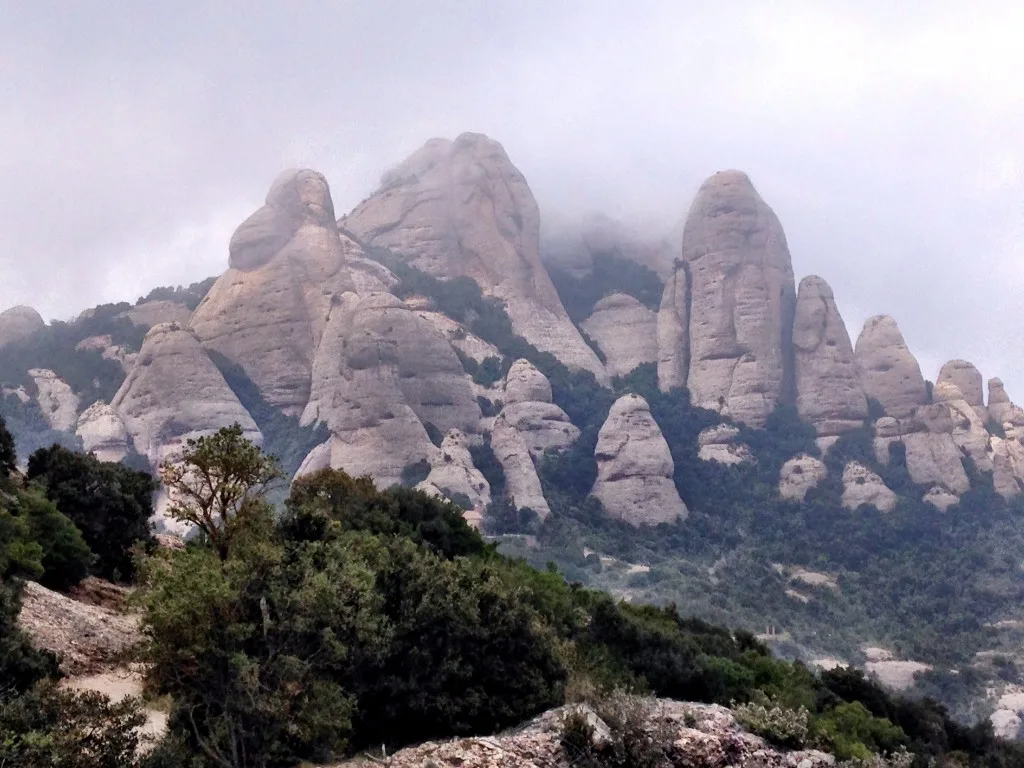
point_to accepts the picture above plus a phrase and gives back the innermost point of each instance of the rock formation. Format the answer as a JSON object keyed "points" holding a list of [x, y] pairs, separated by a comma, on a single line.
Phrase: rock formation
{"points": [[460, 208], [932, 455], [521, 480], [940, 498], [174, 393], [452, 473], [18, 323], [525, 384], [674, 330], [152, 313], [799, 475], [108, 350], [625, 330], [268, 311], [103, 432], [634, 466], [966, 378], [828, 390], [742, 300], [889, 372], [720, 443], [862, 486], [1001, 409], [56, 400]]}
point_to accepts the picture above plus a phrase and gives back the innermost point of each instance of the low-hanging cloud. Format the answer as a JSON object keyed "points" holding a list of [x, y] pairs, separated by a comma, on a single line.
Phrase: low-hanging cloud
{"points": [[888, 141]]}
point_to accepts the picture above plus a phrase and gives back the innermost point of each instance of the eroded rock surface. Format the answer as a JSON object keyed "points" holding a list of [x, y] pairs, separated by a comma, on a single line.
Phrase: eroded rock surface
{"points": [[103, 432], [18, 323], [828, 390], [57, 401], [634, 466], [966, 378], [460, 208], [889, 372], [742, 299], [721, 443], [862, 486], [152, 313], [452, 474], [521, 480], [625, 330], [799, 475], [674, 330], [525, 384]]}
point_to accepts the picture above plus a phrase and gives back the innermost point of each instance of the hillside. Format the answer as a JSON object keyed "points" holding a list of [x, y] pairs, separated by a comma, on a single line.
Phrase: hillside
{"points": [[682, 424]]}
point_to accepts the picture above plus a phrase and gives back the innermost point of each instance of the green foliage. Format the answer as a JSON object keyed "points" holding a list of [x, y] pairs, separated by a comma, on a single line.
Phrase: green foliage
{"points": [[8, 454], [190, 296], [611, 273], [782, 726], [39, 542], [110, 504], [488, 372], [21, 665], [629, 741], [414, 474]]}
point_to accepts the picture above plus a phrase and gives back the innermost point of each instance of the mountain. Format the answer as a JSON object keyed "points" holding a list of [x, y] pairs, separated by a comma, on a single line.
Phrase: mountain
{"points": [[692, 427]]}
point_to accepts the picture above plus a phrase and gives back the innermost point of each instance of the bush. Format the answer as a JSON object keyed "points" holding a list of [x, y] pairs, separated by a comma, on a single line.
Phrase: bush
{"points": [[41, 542], [778, 725], [614, 731]]}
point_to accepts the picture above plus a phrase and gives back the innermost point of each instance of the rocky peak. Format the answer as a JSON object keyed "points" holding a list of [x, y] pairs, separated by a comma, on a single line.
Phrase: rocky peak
{"points": [[462, 209], [742, 299], [625, 330], [889, 372], [56, 399], [674, 330], [103, 432], [634, 466], [18, 323], [525, 384], [966, 378], [828, 390]]}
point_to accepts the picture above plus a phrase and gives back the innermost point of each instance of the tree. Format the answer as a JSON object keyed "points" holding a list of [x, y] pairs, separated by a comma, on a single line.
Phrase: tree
{"points": [[219, 482], [8, 456], [109, 503], [43, 543]]}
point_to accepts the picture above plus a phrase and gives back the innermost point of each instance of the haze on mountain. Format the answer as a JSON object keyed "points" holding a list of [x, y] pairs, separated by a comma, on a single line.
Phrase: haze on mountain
{"points": [[887, 140]]}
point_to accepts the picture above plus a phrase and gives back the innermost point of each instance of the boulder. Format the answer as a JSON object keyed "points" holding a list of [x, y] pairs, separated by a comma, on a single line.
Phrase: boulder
{"points": [[57, 401], [828, 390], [521, 480], [152, 313], [889, 373], [634, 467], [940, 498], [799, 475], [742, 299], [103, 433], [268, 311], [452, 473], [525, 384], [543, 426], [1001, 409], [174, 393], [674, 330], [932, 459], [862, 486], [18, 323], [721, 443], [461, 209], [625, 330], [968, 426], [966, 378], [1007, 466]]}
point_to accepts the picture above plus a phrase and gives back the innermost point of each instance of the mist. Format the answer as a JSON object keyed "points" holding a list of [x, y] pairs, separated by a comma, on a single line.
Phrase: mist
{"points": [[887, 141]]}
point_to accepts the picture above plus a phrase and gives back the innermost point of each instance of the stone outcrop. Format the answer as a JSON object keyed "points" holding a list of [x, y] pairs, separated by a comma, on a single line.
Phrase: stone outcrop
{"points": [[625, 330], [799, 475], [966, 422], [932, 457], [965, 377], [152, 313], [674, 330], [742, 299], [174, 393], [525, 384], [828, 390], [18, 323], [452, 474], [1001, 409], [521, 480], [721, 443], [940, 498], [57, 401], [108, 350], [634, 466], [268, 311], [862, 486], [103, 432], [460, 208], [889, 372]]}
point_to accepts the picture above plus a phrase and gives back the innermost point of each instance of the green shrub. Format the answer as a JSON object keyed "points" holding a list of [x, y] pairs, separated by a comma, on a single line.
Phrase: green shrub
{"points": [[781, 726]]}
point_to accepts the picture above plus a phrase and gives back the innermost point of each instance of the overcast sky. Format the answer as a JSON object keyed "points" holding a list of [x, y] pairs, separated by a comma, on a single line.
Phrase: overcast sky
{"points": [[136, 136]]}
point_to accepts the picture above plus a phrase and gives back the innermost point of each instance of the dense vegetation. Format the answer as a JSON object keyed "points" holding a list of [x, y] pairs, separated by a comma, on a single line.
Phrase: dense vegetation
{"points": [[190, 296], [611, 273]]}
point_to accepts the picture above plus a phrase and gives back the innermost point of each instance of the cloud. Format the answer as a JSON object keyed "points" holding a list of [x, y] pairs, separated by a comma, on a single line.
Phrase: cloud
{"points": [[886, 137]]}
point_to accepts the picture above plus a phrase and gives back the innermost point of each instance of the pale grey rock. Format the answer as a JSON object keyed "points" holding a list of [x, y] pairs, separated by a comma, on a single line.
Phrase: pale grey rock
{"points": [[460, 208], [889, 372], [103, 433], [317, 459], [470, 345], [625, 330], [932, 459], [634, 467], [521, 480], [57, 401], [1001, 409], [968, 426], [862, 486], [940, 498], [799, 475], [175, 393], [674, 330], [452, 473], [268, 311], [18, 323], [966, 378], [152, 313], [1007, 466], [1005, 723], [543, 426], [828, 390], [742, 299], [18, 392], [721, 444], [825, 443], [525, 384], [109, 351]]}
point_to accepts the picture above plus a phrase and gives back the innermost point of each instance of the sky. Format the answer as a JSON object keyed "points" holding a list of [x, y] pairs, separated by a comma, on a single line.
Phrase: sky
{"points": [[888, 138]]}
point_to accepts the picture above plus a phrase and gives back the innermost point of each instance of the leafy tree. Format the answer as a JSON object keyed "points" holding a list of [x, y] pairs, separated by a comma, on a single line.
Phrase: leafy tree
{"points": [[21, 665], [8, 456], [219, 481], [44, 544], [109, 503]]}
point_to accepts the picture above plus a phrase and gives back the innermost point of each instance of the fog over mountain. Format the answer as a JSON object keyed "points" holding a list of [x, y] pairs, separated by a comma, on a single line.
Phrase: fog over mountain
{"points": [[887, 141]]}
